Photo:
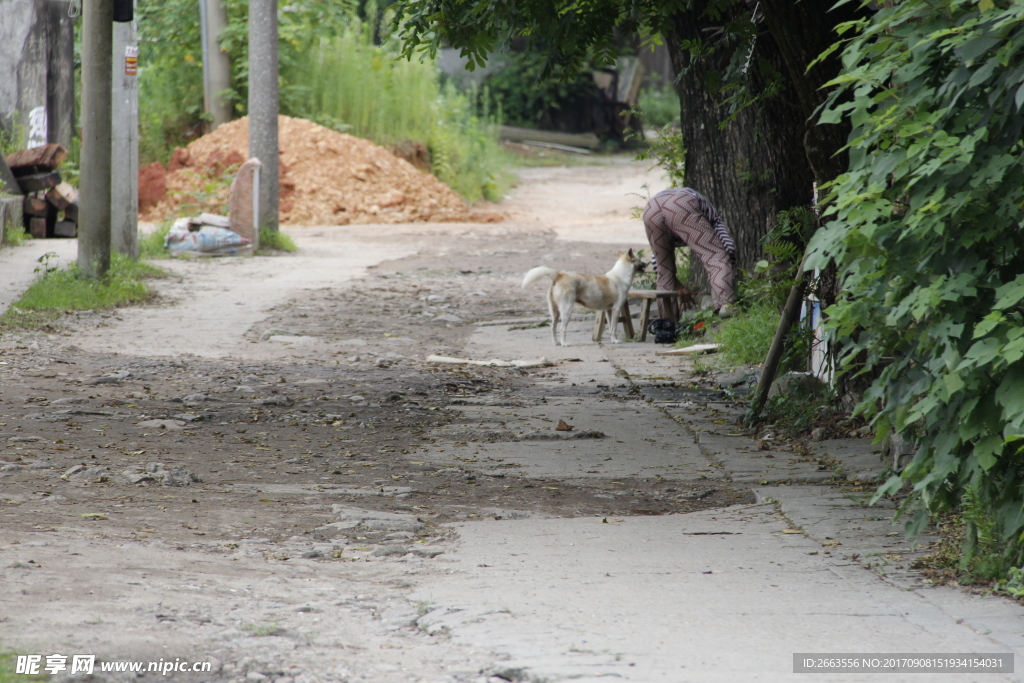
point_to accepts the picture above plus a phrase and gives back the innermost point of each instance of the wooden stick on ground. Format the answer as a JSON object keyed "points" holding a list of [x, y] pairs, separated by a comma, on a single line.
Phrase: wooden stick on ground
{"points": [[771, 362]]}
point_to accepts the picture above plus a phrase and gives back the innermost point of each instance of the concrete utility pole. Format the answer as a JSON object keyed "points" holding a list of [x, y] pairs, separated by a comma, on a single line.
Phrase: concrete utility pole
{"points": [[263, 105], [216, 65], [124, 228], [94, 216]]}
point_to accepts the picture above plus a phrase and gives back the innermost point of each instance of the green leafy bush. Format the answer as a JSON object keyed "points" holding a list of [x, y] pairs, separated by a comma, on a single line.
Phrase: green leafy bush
{"points": [[526, 96], [659, 107], [926, 229], [746, 337], [783, 246]]}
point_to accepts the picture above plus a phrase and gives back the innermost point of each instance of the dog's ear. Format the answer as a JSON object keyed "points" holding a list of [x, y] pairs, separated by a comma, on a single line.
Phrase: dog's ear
{"points": [[630, 253]]}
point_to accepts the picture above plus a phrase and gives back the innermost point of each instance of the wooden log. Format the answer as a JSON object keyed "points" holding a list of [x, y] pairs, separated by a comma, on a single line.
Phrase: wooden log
{"points": [[51, 218], [585, 140], [37, 228], [65, 229], [696, 348], [71, 212], [36, 160], [34, 206], [62, 195], [37, 182]]}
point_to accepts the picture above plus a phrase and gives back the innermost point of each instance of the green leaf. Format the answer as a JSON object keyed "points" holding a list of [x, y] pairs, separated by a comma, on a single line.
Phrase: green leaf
{"points": [[986, 449], [1009, 294]]}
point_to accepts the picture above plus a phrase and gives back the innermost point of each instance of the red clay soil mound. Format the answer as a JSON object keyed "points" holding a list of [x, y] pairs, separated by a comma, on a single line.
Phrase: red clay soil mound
{"points": [[327, 178]]}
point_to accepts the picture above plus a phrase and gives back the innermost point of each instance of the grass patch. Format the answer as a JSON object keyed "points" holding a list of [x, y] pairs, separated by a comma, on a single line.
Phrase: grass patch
{"points": [[745, 338], [275, 240], [8, 661], [533, 326], [15, 234], [57, 291], [151, 245]]}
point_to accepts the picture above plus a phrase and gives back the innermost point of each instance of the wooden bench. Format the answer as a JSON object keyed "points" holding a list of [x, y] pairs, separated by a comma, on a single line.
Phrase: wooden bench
{"points": [[648, 296]]}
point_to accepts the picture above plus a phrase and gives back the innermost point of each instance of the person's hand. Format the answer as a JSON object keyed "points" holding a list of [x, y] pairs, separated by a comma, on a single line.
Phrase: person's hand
{"points": [[685, 297]]}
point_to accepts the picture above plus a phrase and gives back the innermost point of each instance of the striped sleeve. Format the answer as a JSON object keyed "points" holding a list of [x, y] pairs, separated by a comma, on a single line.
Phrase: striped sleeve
{"points": [[716, 221]]}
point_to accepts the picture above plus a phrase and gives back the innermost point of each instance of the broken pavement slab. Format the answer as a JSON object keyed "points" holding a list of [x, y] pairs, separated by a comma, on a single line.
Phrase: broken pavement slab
{"points": [[716, 596], [658, 447]]}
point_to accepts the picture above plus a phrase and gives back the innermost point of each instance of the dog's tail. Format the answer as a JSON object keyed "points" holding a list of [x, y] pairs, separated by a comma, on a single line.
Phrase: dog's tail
{"points": [[539, 272]]}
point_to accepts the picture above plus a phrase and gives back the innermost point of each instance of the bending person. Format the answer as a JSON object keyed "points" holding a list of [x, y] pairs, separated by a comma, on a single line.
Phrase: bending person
{"points": [[684, 217]]}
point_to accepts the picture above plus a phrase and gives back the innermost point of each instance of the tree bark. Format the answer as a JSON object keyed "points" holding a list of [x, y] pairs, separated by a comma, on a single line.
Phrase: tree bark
{"points": [[802, 31], [755, 166]]}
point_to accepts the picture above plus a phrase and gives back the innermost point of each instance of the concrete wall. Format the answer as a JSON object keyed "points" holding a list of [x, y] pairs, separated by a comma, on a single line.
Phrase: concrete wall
{"points": [[37, 98], [10, 212]]}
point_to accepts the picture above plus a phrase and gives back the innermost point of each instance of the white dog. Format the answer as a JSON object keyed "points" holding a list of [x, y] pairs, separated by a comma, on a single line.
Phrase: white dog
{"points": [[601, 293]]}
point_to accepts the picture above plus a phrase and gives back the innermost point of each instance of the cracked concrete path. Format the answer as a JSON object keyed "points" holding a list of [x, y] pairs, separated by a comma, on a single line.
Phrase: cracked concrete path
{"points": [[722, 595], [367, 517]]}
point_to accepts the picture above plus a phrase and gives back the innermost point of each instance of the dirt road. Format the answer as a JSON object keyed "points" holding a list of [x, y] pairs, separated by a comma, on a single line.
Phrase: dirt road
{"points": [[260, 470]]}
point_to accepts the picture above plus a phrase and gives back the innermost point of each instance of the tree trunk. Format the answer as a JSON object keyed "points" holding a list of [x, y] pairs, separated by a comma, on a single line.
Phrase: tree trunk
{"points": [[802, 31], [755, 166]]}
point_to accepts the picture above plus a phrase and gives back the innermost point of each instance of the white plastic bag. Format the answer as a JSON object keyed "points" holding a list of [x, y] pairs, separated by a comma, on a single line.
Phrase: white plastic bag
{"points": [[208, 240]]}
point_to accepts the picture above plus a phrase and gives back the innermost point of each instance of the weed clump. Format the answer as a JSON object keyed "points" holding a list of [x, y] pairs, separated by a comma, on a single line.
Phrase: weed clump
{"points": [[57, 291]]}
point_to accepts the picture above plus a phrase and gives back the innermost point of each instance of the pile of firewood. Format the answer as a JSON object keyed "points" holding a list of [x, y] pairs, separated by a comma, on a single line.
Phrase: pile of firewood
{"points": [[50, 205]]}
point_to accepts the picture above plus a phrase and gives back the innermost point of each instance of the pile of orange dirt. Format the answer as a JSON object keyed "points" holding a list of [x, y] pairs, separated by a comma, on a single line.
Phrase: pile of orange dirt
{"points": [[327, 178]]}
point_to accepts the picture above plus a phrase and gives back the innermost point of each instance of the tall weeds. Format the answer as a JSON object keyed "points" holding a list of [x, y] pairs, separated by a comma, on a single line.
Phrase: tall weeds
{"points": [[353, 85]]}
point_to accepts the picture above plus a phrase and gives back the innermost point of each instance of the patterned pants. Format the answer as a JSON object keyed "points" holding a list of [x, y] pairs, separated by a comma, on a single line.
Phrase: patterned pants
{"points": [[672, 220]]}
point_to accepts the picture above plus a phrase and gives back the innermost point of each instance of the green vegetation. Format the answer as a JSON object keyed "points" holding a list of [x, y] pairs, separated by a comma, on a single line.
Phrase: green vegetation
{"points": [[668, 150], [8, 661], [796, 413], [746, 337], [649, 278], [783, 246], [57, 291], [350, 84], [15, 234], [275, 240], [659, 107], [925, 228], [151, 245], [525, 96], [336, 69], [347, 83]]}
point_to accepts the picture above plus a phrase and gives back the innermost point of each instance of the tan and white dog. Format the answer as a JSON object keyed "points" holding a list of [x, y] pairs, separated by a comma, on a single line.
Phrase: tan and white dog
{"points": [[601, 293]]}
